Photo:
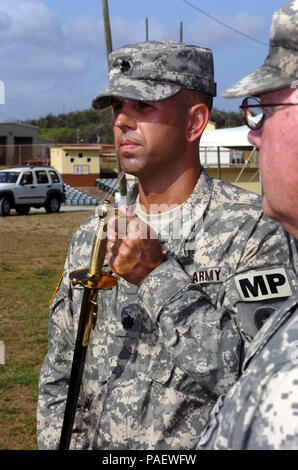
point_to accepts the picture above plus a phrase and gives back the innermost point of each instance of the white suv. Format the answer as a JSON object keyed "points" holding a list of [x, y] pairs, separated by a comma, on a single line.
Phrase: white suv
{"points": [[22, 188]]}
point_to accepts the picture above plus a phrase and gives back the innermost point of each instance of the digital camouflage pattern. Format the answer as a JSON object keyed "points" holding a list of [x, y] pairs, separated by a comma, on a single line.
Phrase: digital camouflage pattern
{"points": [[261, 411], [280, 68], [162, 353], [156, 70]]}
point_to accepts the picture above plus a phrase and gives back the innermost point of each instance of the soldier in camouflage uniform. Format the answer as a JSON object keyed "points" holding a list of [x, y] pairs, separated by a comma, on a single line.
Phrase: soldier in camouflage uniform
{"points": [[171, 335], [261, 410]]}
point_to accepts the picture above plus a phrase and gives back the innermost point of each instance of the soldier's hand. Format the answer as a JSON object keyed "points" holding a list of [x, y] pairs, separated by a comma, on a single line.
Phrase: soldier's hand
{"points": [[133, 249]]}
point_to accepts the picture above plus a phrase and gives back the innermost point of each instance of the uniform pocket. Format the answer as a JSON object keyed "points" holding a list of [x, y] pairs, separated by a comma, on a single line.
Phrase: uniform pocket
{"points": [[163, 371]]}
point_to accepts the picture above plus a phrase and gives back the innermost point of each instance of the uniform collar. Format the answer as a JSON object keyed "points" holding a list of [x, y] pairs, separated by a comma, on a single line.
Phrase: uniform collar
{"points": [[200, 194]]}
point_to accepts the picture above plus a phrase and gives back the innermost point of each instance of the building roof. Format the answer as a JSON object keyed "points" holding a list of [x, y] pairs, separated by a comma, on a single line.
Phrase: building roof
{"points": [[232, 137], [16, 123]]}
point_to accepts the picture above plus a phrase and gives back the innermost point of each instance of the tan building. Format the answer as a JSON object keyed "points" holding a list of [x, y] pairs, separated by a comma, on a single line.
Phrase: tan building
{"points": [[80, 164], [210, 125]]}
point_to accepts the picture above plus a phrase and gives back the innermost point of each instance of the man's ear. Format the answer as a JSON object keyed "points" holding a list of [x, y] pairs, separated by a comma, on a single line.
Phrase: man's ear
{"points": [[198, 116]]}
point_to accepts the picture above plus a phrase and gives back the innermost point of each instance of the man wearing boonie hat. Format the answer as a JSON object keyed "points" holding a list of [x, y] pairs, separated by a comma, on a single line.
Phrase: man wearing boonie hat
{"points": [[261, 411], [171, 334]]}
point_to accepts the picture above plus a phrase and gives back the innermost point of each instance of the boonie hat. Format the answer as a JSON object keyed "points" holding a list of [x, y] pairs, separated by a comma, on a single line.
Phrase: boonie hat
{"points": [[156, 70], [280, 68]]}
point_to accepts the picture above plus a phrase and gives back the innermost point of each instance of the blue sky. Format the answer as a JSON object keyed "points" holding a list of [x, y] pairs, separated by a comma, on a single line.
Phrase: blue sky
{"points": [[53, 56]]}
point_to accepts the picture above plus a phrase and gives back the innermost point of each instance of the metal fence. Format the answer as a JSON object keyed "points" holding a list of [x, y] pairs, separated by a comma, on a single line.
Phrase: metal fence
{"points": [[222, 156], [24, 154]]}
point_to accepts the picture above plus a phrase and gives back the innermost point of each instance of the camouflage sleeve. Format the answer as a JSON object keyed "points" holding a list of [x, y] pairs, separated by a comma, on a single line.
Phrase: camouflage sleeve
{"points": [[55, 372], [205, 336], [202, 339], [277, 405], [258, 413], [260, 410], [265, 276]]}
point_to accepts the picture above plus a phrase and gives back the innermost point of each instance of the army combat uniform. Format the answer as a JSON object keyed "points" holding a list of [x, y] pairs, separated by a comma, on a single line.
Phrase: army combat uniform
{"points": [[261, 410], [162, 353]]}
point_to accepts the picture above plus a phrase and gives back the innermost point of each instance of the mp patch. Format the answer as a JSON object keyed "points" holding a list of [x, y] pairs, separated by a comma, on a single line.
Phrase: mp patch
{"points": [[261, 285]]}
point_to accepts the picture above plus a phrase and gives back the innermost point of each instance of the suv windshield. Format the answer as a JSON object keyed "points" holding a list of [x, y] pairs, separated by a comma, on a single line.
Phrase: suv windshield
{"points": [[8, 176]]}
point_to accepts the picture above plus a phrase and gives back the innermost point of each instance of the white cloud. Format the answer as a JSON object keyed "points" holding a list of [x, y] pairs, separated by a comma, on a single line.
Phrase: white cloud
{"points": [[33, 44], [41, 65], [32, 63], [30, 22], [211, 34], [85, 35], [45, 64]]}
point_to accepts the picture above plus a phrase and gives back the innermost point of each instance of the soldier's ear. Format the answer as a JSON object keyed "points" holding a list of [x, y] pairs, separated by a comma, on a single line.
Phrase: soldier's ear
{"points": [[198, 116]]}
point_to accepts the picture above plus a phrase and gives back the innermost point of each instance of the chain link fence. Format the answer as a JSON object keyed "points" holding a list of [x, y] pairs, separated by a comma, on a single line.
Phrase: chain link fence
{"points": [[24, 154]]}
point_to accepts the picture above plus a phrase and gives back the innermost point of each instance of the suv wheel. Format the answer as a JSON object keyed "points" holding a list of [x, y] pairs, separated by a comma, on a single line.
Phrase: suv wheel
{"points": [[53, 205], [22, 210], [4, 206]]}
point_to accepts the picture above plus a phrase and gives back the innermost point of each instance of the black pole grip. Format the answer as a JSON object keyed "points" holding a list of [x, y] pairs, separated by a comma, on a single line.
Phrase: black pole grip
{"points": [[73, 394]]}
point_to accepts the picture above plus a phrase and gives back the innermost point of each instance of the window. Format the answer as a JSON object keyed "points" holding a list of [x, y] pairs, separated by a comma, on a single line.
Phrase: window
{"points": [[54, 176], [8, 176], [81, 169], [42, 177], [27, 178]]}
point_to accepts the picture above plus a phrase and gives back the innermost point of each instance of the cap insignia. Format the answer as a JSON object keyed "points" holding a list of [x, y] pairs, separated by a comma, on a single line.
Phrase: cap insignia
{"points": [[126, 66]]}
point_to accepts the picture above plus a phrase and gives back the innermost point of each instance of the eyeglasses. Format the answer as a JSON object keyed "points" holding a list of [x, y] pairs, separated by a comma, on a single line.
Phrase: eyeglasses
{"points": [[254, 112]]}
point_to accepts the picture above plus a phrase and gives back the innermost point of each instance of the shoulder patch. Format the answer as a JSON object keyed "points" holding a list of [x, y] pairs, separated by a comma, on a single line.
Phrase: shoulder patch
{"points": [[262, 285], [262, 314]]}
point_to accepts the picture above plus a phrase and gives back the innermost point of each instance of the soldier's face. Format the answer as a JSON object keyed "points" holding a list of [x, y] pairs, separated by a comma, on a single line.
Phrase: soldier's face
{"points": [[278, 143], [149, 136]]}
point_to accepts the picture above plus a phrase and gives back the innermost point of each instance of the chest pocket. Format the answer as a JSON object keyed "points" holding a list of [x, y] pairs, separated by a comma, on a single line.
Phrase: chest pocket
{"points": [[162, 370]]}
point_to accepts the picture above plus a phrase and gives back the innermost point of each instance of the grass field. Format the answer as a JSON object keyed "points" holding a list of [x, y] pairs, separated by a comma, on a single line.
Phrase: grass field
{"points": [[33, 251]]}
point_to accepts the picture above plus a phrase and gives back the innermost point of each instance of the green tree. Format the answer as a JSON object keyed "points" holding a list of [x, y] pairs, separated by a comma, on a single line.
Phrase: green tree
{"points": [[91, 126], [226, 118]]}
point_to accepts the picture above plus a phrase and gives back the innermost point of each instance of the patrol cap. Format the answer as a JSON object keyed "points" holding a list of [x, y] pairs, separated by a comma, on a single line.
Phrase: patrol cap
{"points": [[156, 70], [280, 68]]}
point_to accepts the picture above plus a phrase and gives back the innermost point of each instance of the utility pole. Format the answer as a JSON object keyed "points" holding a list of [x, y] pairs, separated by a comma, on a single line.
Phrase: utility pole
{"points": [[147, 34], [108, 35], [109, 49], [181, 31]]}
